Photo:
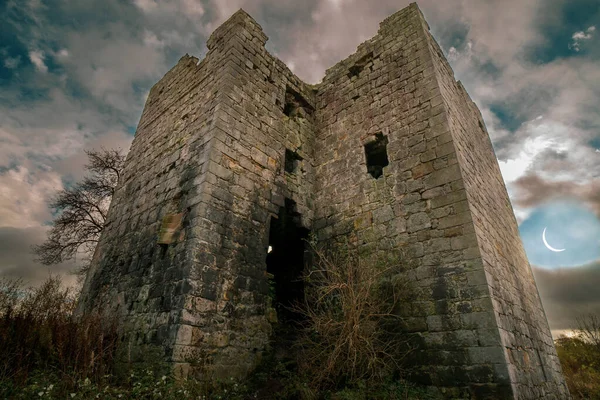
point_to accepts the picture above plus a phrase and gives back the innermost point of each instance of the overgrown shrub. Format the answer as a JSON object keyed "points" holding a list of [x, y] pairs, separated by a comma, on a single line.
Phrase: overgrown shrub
{"points": [[39, 332], [580, 359], [349, 329], [49, 353]]}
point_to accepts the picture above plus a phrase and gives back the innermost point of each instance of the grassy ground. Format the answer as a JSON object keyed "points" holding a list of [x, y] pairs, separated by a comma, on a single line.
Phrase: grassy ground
{"points": [[46, 353], [47, 386], [580, 360], [276, 378]]}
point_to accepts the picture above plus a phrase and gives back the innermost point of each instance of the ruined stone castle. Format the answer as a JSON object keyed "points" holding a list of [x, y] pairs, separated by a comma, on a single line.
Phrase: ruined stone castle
{"points": [[234, 155]]}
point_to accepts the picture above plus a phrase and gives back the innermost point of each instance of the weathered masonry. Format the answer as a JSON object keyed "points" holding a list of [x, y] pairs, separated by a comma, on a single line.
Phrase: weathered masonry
{"points": [[234, 154]]}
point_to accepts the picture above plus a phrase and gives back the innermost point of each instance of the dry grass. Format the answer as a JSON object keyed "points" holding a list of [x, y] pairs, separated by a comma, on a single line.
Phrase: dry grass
{"points": [[39, 332], [349, 347]]}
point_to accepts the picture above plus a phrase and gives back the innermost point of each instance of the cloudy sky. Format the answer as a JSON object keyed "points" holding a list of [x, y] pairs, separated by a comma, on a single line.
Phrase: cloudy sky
{"points": [[75, 75]]}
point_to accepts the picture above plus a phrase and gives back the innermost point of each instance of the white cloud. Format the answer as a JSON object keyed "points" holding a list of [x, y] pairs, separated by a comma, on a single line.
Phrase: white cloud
{"points": [[12, 62], [62, 53], [50, 130], [455, 55], [150, 39], [191, 8], [452, 53], [514, 168], [552, 150], [581, 35], [73, 165], [24, 195], [117, 63], [336, 3], [37, 58], [146, 5]]}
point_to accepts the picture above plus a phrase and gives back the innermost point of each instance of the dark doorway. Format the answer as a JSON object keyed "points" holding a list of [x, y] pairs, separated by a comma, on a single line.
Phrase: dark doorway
{"points": [[285, 260]]}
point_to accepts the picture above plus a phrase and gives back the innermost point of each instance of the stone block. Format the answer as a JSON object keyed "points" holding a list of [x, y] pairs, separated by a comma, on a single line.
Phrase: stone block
{"points": [[486, 355], [443, 176], [417, 222], [169, 229]]}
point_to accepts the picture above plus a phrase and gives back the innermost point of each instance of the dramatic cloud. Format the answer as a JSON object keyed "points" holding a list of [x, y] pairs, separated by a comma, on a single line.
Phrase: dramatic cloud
{"points": [[12, 62], [532, 190], [568, 294], [192, 8]]}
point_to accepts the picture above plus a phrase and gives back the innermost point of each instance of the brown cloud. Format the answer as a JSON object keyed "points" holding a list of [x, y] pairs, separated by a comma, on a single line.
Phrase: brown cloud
{"points": [[17, 259], [532, 190], [568, 293], [336, 27]]}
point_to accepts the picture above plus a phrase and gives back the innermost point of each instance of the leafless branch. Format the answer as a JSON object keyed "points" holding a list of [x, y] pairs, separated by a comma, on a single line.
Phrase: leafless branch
{"points": [[81, 209], [588, 328], [350, 330]]}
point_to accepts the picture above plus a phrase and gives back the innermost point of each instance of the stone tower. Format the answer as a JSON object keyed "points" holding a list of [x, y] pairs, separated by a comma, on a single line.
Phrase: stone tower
{"points": [[234, 154]]}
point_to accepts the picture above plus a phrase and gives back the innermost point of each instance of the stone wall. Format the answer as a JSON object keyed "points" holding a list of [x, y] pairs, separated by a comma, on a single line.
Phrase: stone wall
{"points": [[528, 349], [419, 204], [244, 187], [144, 263], [144, 280], [388, 153], [183, 253]]}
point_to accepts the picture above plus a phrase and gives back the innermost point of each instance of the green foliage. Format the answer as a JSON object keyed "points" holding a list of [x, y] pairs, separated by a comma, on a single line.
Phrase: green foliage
{"points": [[390, 390], [580, 360], [46, 385]]}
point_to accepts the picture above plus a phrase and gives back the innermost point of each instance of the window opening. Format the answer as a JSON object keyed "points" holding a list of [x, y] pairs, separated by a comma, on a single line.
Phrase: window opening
{"points": [[376, 154], [163, 250], [292, 160], [296, 106]]}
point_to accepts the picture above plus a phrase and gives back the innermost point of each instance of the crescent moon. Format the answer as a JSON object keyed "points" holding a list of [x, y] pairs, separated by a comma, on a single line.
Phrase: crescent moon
{"points": [[547, 245]]}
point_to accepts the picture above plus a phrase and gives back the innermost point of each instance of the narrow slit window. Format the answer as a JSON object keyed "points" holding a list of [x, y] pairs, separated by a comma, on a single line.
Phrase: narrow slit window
{"points": [[376, 154], [163, 249], [291, 161]]}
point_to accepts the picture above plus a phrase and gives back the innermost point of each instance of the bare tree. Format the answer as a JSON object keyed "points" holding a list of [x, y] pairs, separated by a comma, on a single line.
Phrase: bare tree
{"points": [[81, 210], [588, 329]]}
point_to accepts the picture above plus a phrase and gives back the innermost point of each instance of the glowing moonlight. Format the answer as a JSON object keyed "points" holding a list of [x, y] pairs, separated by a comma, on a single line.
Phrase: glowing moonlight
{"points": [[547, 245]]}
